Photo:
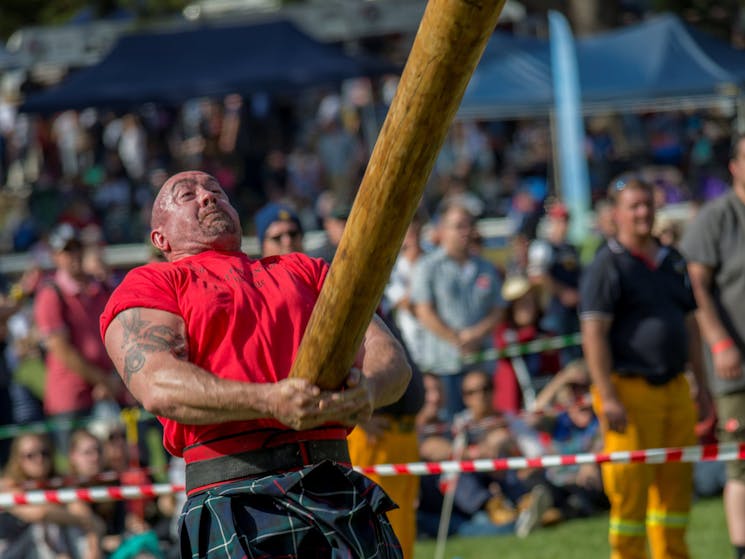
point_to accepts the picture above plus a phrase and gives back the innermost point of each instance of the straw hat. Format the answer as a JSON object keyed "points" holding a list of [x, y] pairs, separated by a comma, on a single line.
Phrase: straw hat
{"points": [[515, 287]]}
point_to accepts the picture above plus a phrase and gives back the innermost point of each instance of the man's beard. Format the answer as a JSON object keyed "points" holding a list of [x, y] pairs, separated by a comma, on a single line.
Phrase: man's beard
{"points": [[216, 223]]}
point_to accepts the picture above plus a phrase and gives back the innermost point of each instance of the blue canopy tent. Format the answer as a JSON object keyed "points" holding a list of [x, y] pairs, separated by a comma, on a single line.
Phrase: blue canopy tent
{"points": [[660, 63], [513, 77], [658, 59], [170, 67]]}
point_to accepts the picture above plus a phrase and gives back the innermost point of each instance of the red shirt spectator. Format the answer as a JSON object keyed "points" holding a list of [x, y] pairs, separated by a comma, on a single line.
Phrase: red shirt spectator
{"points": [[65, 312]]}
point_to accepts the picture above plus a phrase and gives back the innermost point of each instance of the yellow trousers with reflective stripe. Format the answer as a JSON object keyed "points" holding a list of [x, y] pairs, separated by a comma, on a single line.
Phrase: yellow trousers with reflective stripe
{"points": [[649, 502], [396, 445]]}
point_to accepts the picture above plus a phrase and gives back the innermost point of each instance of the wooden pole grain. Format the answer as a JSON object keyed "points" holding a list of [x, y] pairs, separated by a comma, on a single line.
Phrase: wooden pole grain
{"points": [[451, 38]]}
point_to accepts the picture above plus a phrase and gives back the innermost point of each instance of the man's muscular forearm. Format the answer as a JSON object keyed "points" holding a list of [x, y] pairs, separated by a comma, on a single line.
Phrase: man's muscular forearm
{"points": [[150, 355], [149, 349]]}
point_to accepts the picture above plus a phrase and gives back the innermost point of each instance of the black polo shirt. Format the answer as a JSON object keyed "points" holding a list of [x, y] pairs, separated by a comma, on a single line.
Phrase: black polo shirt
{"points": [[648, 303]]}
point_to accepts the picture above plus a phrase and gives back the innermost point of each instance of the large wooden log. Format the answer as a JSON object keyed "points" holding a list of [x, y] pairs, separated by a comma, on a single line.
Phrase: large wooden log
{"points": [[451, 38]]}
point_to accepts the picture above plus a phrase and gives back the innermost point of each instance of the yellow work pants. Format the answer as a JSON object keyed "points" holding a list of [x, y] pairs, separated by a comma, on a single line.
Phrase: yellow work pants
{"points": [[396, 445], [649, 501]]}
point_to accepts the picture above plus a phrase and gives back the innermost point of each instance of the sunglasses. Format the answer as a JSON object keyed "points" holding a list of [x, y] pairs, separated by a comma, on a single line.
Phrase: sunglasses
{"points": [[622, 182], [477, 390], [625, 181], [36, 454], [293, 234]]}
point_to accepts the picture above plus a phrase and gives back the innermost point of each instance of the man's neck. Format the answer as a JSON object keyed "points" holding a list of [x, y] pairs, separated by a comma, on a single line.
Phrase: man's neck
{"points": [[459, 257], [739, 190], [639, 244]]}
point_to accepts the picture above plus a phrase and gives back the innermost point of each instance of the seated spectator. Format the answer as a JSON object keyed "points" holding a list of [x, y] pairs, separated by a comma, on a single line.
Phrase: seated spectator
{"points": [[42, 530], [572, 428], [432, 412], [86, 466], [521, 497], [516, 379], [118, 457], [145, 520], [436, 445], [486, 503]]}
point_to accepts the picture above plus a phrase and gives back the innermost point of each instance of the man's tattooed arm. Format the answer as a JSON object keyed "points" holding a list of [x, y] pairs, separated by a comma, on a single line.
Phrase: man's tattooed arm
{"points": [[142, 338]]}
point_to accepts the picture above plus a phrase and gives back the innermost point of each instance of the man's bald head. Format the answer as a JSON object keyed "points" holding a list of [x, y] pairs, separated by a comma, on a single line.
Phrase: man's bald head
{"points": [[191, 214], [159, 212]]}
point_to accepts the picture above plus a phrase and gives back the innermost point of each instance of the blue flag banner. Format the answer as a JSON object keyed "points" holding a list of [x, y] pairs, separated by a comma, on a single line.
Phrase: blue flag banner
{"points": [[570, 132]]}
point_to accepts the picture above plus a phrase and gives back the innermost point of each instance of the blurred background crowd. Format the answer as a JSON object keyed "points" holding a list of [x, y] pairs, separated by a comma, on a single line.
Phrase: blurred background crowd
{"points": [[73, 184]]}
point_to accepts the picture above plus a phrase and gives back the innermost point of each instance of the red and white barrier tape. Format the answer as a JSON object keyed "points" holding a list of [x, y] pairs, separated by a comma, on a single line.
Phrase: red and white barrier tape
{"points": [[88, 494], [704, 453]]}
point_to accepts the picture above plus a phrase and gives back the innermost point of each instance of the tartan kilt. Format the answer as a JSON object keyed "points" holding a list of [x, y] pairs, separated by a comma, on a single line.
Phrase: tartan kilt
{"points": [[319, 512]]}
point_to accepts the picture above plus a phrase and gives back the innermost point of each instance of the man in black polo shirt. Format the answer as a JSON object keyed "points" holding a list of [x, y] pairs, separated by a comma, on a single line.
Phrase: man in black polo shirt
{"points": [[639, 334]]}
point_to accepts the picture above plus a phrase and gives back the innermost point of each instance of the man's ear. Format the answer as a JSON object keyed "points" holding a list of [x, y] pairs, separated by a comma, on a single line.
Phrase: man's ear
{"points": [[159, 241]]}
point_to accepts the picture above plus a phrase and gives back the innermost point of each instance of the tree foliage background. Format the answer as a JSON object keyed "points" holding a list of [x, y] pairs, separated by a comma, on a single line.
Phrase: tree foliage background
{"points": [[587, 16], [15, 14]]}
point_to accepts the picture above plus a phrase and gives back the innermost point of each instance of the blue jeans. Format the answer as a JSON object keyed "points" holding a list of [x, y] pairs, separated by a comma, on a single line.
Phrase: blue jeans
{"points": [[453, 396]]}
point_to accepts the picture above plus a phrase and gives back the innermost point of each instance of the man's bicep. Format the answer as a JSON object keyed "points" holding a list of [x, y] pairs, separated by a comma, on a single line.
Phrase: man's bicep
{"points": [[596, 325], [379, 340], [141, 340], [700, 275]]}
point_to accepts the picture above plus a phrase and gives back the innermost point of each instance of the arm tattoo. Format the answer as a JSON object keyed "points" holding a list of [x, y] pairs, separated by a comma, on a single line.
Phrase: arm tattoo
{"points": [[142, 337]]}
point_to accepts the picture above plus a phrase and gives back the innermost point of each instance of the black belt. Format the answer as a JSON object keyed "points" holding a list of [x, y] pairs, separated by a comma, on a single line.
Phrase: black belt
{"points": [[652, 378], [284, 457]]}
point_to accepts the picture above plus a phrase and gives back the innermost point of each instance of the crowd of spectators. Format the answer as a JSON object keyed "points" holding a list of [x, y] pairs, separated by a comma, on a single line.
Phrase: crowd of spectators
{"points": [[99, 169], [74, 182]]}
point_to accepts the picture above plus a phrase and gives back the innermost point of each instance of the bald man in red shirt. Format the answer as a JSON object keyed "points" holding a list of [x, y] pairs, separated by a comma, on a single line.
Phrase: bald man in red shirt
{"points": [[206, 341]]}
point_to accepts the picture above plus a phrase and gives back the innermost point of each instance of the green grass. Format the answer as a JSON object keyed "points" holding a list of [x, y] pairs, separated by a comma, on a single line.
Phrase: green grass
{"points": [[584, 539]]}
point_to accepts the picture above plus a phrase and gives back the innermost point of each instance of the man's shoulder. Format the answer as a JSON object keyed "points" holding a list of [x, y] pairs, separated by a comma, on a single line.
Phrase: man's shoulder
{"points": [[152, 269], [432, 258], [717, 219], [484, 264], [714, 211], [608, 250], [719, 204]]}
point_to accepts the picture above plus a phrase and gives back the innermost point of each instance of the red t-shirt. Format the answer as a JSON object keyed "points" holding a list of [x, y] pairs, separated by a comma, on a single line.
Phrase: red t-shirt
{"points": [[232, 306]]}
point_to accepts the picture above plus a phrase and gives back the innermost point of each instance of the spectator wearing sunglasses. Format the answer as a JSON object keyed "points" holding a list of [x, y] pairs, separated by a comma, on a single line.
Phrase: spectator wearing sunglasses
{"points": [[278, 229], [34, 531]]}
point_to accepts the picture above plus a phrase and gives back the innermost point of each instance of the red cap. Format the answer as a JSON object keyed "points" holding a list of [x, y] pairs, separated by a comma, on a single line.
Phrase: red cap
{"points": [[558, 210]]}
